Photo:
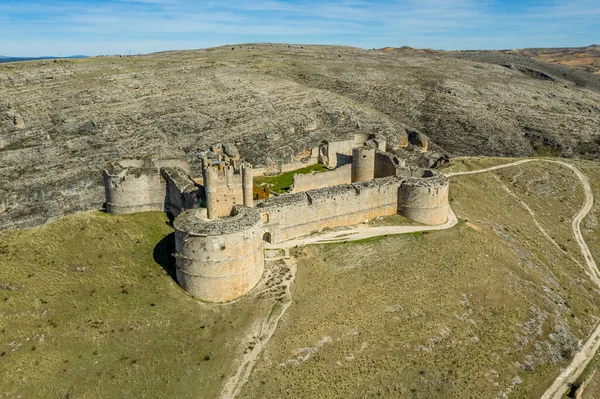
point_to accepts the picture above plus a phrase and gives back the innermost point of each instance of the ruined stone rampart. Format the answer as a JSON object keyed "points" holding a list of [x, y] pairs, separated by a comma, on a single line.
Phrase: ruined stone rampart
{"points": [[181, 192], [276, 169], [334, 154], [315, 180], [131, 190], [138, 185], [221, 259], [295, 215], [386, 164]]}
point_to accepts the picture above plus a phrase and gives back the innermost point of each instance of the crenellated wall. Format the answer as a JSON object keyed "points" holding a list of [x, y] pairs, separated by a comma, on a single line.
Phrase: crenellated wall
{"points": [[222, 259], [228, 191], [294, 215]]}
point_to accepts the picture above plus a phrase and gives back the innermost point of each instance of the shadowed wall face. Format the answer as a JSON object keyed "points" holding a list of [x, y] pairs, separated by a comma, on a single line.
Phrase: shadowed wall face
{"points": [[181, 194], [384, 165]]}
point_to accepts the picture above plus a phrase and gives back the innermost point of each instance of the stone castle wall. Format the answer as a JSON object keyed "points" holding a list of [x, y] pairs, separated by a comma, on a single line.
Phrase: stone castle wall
{"points": [[312, 158], [222, 259], [299, 214], [219, 249], [229, 192], [363, 164], [385, 165], [134, 190], [181, 192], [137, 185], [219, 260], [313, 181], [425, 200]]}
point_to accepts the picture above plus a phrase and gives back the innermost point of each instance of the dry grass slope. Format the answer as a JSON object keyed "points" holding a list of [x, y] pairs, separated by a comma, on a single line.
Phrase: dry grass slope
{"points": [[491, 307], [87, 310]]}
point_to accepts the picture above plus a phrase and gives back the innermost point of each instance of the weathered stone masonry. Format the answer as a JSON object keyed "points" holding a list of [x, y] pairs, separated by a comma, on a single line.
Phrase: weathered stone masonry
{"points": [[219, 249], [219, 260], [139, 185]]}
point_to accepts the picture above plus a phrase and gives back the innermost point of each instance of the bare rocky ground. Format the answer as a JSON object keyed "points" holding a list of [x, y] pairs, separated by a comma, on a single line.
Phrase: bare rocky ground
{"points": [[61, 120]]}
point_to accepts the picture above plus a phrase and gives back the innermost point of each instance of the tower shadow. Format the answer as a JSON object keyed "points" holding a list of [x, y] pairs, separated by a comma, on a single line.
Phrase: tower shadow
{"points": [[163, 255]]}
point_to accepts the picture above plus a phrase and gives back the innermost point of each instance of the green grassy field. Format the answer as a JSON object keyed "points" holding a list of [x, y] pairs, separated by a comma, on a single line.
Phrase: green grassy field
{"points": [[89, 310], [89, 307], [280, 184]]}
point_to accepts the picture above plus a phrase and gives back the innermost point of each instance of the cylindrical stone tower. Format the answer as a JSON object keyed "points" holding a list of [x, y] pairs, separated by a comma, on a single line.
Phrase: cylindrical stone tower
{"points": [[210, 188], [424, 199], [363, 164], [247, 186], [134, 190], [219, 260]]}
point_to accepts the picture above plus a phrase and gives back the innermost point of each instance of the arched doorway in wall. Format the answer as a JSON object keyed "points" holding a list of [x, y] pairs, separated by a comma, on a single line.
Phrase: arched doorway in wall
{"points": [[267, 238]]}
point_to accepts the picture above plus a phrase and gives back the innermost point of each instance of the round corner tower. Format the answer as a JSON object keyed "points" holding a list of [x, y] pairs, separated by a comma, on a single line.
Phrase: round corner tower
{"points": [[133, 186], [363, 164], [424, 199], [222, 259]]}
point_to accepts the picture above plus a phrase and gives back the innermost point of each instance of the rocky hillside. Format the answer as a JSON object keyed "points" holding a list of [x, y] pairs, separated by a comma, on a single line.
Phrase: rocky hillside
{"points": [[586, 58], [60, 120]]}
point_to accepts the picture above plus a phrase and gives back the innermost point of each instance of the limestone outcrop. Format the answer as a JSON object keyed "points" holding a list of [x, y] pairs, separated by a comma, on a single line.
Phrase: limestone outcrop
{"points": [[169, 104]]}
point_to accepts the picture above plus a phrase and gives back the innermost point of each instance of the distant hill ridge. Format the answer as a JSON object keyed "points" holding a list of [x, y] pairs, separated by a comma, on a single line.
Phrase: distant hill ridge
{"points": [[4, 58]]}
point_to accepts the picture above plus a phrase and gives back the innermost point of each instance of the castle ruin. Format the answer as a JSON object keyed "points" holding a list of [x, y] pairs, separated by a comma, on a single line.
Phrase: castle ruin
{"points": [[221, 231]]}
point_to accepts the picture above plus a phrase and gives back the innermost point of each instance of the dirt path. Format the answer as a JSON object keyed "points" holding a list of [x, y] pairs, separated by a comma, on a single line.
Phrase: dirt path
{"points": [[562, 382], [361, 232], [582, 358], [264, 333]]}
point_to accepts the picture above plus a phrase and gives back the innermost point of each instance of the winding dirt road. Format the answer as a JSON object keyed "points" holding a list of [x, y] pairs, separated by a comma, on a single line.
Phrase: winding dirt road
{"points": [[569, 375], [562, 383]]}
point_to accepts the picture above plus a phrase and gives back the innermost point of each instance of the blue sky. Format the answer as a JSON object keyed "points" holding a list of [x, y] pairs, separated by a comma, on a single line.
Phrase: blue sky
{"points": [[52, 27]]}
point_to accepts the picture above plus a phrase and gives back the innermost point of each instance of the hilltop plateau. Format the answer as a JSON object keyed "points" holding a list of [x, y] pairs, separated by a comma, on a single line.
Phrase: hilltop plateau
{"points": [[61, 120], [491, 307]]}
